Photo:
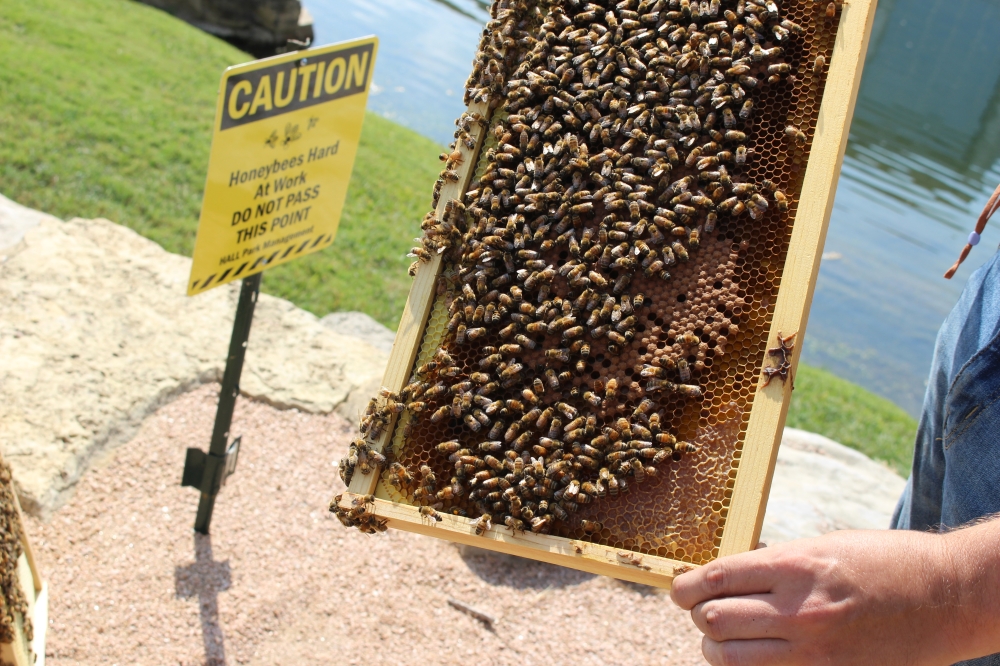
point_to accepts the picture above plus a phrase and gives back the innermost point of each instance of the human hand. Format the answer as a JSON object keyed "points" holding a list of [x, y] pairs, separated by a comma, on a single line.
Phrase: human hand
{"points": [[850, 597]]}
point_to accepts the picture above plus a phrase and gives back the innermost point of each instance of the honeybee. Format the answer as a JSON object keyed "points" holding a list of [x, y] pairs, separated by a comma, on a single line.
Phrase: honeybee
{"points": [[638, 470], [515, 524], [449, 447], [686, 447], [688, 390], [525, 341], [427, 368], [540, 524], [781, 199], [440, 413], [399, 476], [490, 447], [360, 504], [688, 339], [614, 485], [427, 478], [511, 370], [451, 159], [591, 526], [429, 512], [795, 133], [483, 524], [371, 525]]}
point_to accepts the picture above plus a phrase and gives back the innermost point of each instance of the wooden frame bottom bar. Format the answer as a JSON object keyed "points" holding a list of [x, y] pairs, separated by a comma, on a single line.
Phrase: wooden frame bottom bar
{"points": [[582, 555]]}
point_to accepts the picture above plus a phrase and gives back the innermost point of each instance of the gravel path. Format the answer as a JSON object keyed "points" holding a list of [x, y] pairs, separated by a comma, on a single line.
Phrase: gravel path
{"points": [[280, 581]]}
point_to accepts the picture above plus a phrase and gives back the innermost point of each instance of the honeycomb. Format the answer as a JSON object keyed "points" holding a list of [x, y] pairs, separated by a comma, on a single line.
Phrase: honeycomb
{"points": [[682, 368]]}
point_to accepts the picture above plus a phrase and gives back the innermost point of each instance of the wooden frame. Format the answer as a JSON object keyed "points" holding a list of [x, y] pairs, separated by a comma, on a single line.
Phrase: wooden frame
{"points": [[770, 405], [22, 652]]}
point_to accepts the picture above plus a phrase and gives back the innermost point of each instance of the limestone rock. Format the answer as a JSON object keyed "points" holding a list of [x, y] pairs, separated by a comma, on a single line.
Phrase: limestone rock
{"points": [[360, 325], [820, 486], [96, 332], [15, 220]]}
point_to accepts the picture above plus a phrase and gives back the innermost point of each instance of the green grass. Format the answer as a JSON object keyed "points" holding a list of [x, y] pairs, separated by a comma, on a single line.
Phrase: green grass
{"points": [[849, 414], [106, 109]]}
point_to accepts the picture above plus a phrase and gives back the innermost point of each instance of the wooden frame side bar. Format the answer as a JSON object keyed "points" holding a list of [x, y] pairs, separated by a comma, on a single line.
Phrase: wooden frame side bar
{"points": [[421, 298], [20, 653], [798, 281]]}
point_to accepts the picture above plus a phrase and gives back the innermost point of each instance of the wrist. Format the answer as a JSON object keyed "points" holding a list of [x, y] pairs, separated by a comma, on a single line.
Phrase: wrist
{"points": [[967, 563]]}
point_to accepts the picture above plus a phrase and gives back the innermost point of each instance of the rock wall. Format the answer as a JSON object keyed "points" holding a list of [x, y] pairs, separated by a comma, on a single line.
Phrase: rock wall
{"points": [[261, 27], [96, 332]]}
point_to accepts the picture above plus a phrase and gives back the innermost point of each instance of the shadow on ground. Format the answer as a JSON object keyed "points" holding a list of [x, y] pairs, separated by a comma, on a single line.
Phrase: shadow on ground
{"points": [[518, 572], [205, 578]]}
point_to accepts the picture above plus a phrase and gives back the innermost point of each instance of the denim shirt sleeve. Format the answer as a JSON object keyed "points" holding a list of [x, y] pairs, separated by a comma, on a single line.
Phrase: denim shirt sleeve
{"points": [[956, 460]]}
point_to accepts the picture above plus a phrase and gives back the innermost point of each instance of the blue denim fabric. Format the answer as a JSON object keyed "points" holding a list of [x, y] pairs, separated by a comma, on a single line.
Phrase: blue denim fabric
{"points": [[956, 464]]}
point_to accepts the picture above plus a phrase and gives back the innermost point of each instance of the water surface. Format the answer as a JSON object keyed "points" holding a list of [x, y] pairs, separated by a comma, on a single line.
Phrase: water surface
{"points": [[921, 162]]}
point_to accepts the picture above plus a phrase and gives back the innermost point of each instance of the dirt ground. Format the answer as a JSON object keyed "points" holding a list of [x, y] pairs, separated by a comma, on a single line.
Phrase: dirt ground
{"points": [[280, 581]]}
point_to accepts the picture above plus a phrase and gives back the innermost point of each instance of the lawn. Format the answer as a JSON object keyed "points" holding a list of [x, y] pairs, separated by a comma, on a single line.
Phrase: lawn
{"points": [[106, 109], [847, 413]]}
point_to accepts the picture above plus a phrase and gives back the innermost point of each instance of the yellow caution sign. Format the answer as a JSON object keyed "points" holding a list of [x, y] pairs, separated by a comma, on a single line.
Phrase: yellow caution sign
{"points": [[286, 132]]}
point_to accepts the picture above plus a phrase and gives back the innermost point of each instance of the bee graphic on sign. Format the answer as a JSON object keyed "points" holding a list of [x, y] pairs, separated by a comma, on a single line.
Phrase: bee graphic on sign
{"points": [[292, 133], [272, 140], [312, 122]]}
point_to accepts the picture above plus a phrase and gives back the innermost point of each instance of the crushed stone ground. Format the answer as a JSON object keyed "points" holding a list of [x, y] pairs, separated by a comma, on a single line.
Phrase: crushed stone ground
{"points": [[280, 581]]}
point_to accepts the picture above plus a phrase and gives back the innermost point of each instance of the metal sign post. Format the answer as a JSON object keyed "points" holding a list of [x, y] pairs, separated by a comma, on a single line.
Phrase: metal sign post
{"points": [[208, 472]]}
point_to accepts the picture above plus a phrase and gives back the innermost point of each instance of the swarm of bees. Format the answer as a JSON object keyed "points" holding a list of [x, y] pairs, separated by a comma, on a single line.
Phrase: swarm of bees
{"points": [[10, 550], [618, 140], [359, 515]]}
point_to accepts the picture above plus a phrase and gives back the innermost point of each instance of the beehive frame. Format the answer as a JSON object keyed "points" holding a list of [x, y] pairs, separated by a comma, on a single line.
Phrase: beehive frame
{"points": [[22, 652], [748, 491]]}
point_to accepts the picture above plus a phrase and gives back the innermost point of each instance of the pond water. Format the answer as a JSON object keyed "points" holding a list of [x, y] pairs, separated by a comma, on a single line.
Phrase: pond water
{"points": [[921, 162]]}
